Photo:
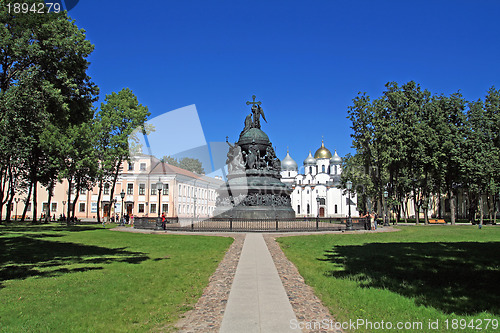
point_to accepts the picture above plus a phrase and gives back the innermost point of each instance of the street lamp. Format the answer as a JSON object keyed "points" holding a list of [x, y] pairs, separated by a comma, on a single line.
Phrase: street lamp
{"points": [[349, 220], [386, 222], [159, 186], [122, 195], [318, 200], [16, 201]]}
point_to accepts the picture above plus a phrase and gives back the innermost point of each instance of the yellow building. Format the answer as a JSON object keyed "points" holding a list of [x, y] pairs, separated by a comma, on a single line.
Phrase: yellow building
{"points": [[183, 194]]}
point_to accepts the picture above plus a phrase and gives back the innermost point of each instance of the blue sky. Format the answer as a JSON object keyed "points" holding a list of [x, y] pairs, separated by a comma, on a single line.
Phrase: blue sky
{"points": [[305, 60]]}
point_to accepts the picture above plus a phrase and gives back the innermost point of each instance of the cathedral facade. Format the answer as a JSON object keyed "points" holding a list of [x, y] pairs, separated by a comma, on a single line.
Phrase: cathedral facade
{"points": [[316, 191]]}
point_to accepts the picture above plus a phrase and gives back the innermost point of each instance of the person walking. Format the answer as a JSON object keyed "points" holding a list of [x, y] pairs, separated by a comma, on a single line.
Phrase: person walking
{"points": [[163, 221]]}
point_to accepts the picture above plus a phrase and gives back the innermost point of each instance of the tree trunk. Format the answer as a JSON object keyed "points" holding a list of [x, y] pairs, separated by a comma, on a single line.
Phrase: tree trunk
{"points": [[496, 211], [439, 206], [112, 192], [99, 202], [452, 206], [481, 209], [68, 212], [9, 202], [26, 203], [35, 183], [50, 193], [417, 210], [73, 208]]}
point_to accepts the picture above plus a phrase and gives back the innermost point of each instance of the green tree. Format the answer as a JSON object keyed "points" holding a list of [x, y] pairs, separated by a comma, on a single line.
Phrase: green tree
{"points": [[170, 160], [42, 80], [186, 163], [492, 110], [449, 122], [191, 164], [119, 116]]}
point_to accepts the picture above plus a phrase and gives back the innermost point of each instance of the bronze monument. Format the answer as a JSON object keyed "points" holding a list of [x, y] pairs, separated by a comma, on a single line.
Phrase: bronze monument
{"points": [[253, 189]]}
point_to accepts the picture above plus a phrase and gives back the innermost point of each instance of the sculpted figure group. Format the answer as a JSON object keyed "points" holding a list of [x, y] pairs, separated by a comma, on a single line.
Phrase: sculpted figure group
{"points": [[239, 160]]}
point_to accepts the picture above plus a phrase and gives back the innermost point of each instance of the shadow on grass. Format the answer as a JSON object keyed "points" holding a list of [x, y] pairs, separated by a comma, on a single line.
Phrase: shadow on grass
{"points": [[460, 278], [26, 256], [27, 227]]}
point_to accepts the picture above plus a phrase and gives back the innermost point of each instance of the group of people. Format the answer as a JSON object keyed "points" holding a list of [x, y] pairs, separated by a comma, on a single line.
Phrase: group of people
{"points": [[122, 220], [371, 223]]}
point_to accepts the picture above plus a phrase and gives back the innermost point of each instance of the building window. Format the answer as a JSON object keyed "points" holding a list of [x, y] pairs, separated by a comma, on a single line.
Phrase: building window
{"points": [[131, 166], [143, 166], [130, 188], [288, 173], [307, 191], [142, 189], [152, 208], [54, 206], [310, 170], [180, 190], [323, 168], [29, 207], [141, 208], [336, 211], [298, 209], [45, 206], [106, 188], [82, 207], [153, 189], [335, 169], [164, 208], [308, 209], [165, 189]]}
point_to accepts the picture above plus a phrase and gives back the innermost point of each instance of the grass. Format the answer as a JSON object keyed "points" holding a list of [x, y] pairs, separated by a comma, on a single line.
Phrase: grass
{"points": [[87, 278], [418, 274]]}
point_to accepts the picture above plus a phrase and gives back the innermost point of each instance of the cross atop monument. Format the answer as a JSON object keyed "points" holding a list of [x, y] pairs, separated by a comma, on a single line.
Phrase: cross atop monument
{"points": [[254, 102]]}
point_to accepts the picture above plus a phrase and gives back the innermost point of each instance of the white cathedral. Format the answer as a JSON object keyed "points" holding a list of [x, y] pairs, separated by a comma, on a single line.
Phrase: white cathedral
{"points": [[320, 180]]}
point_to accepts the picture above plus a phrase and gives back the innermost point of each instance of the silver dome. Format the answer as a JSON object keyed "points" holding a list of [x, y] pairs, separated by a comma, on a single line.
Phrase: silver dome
{"points": [[336, 159], [310, 160], [288, 163]]}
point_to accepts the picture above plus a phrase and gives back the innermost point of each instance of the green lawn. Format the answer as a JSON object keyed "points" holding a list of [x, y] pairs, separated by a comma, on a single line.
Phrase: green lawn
{"points": [[90, 279], [419, 274]]}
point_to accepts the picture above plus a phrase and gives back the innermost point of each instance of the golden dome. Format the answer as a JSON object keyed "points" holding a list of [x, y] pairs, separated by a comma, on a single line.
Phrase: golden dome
{"points": [[322, 152]]}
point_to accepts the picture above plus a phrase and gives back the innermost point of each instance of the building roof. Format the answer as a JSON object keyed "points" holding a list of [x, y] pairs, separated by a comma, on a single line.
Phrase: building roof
{"points": [[310, 160], [288, 163], [322, 152], [336, 159]]}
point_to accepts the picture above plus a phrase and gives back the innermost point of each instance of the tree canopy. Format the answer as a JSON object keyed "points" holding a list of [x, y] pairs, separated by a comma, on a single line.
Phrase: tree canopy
{"points": [[424, 147]]}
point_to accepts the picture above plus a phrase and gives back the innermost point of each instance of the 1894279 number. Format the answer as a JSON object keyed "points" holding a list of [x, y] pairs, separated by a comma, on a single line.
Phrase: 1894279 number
{"points": [[475, 324], [37, 8]]}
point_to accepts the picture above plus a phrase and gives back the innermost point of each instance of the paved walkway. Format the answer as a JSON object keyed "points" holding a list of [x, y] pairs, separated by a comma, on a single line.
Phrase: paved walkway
{"points": [[257, 301]]}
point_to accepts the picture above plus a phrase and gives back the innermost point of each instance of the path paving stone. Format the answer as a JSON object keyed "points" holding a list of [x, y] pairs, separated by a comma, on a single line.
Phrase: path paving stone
{"points": [[258, 301]]}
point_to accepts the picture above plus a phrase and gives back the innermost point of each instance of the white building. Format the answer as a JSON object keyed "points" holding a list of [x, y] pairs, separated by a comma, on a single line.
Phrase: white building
{"points": [[320, 179]]}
